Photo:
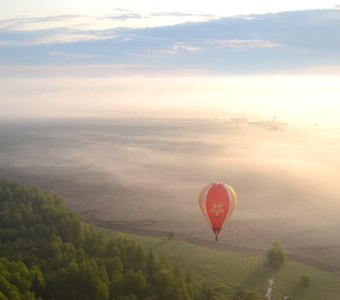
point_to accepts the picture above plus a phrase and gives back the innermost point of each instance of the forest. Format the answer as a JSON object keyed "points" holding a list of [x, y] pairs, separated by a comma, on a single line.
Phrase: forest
{"points": [[47, 252]]}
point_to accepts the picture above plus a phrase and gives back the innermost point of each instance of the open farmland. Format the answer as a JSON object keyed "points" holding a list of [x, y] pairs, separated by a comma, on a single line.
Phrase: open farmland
{"points": [[144, 175]]}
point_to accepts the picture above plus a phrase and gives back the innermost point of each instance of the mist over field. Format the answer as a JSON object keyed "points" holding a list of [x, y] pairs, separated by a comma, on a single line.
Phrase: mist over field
{"points": [[89, 92], [129, 109], [144, 175]]}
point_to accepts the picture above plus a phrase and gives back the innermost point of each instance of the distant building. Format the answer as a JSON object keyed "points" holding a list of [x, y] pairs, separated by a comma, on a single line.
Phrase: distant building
{"points": [[273, 125], [243, 122], [238, 122]]}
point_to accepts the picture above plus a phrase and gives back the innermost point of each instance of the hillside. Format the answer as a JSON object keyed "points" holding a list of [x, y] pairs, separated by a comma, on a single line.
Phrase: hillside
{"points": [[244, 270], [47, 252]]}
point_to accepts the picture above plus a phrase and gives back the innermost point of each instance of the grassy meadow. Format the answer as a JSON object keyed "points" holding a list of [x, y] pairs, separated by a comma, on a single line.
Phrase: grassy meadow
{"points": [[221, 267]]}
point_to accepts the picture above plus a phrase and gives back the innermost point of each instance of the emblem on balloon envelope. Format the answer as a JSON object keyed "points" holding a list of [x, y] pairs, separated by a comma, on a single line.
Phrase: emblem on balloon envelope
{"points": [[217, 202], [217, 209]]}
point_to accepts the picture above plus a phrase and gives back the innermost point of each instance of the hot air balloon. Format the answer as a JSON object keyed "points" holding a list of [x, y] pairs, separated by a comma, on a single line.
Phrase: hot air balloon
{"points": [[217, 201]]}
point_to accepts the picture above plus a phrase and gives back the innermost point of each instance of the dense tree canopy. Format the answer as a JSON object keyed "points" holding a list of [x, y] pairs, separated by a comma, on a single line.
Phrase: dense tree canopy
{"points": [[46, 252]]}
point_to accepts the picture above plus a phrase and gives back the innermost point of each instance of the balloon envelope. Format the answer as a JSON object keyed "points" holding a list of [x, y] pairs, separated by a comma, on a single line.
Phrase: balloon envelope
{"points": [[217, 201]]}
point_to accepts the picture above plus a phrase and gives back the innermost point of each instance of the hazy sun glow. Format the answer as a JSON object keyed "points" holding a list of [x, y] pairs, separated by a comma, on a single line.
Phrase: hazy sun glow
{"points": [[14, 8], [75, 60], [303, 100]]}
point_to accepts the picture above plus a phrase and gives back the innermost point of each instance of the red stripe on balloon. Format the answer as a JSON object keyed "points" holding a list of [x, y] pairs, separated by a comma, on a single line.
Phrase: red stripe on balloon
{"points": [[217, 205]]}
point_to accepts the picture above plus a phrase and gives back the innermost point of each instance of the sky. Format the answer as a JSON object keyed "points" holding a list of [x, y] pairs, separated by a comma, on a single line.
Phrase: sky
{"points": [[43, 8], [260, 58]]}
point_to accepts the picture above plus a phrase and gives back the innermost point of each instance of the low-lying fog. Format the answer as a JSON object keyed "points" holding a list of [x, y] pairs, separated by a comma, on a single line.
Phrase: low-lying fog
{"points": [[146, 174]]}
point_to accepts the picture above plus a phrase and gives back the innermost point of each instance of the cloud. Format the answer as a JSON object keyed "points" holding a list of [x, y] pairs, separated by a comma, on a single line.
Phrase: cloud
{"points": [[4, 43], [130, 14], [68, 56], [126, 16], [282, 42], [39, 23], [180, 47], [180, 14], [243, 44], [101, 21], [70, 37], [76, 71], [59, 18], [172, 50], [60, 38]]}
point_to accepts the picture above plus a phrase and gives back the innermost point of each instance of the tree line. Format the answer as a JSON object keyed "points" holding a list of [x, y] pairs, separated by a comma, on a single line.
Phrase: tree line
{"points": [[47, 252]]}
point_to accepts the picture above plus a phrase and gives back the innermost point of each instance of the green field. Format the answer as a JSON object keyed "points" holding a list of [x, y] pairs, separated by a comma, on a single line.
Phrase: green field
{"points": [[221, 267]]}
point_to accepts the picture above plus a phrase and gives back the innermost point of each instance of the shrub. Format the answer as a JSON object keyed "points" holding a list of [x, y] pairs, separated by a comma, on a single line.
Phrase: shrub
{"points": [[276, 256], [305, 280], [171, 235]]}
